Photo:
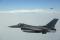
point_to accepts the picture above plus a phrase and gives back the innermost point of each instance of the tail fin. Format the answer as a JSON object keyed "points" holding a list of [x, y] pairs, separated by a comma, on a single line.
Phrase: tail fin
{"points": [[52, 23]]}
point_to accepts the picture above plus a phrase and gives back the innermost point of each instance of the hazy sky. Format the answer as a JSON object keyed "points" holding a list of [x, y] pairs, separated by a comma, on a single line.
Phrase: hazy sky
{"points": [[28, 4], [33, 12]]}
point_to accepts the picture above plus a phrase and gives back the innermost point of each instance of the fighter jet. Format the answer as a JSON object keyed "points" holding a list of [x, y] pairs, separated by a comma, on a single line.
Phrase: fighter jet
{"points": [[37, 29]]}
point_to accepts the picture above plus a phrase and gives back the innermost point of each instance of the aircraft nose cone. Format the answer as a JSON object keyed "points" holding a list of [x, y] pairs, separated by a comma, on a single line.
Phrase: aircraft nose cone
{"points": [[14, 26]]}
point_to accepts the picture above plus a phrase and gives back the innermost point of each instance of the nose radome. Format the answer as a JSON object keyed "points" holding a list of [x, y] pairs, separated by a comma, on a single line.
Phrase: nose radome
{"points": [[14, 26]]}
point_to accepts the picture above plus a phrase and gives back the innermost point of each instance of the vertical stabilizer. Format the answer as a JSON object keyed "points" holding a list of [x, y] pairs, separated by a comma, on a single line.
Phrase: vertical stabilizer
{"points": [[52, 23]]}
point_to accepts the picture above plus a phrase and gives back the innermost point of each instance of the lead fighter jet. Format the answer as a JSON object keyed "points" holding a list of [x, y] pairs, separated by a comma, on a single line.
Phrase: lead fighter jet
{"points": [[37, 29]]}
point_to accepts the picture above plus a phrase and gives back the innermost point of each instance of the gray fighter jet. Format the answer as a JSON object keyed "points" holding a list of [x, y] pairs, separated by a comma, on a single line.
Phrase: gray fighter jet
{"points": [[37, 29]]}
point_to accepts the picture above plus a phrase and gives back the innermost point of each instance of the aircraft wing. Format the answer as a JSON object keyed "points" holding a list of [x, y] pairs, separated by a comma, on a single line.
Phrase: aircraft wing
{"points": [[30, 27]]}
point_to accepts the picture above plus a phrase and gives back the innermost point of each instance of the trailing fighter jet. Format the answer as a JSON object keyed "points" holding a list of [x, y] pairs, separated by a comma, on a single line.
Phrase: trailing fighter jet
{"points": [[37, 29]]}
